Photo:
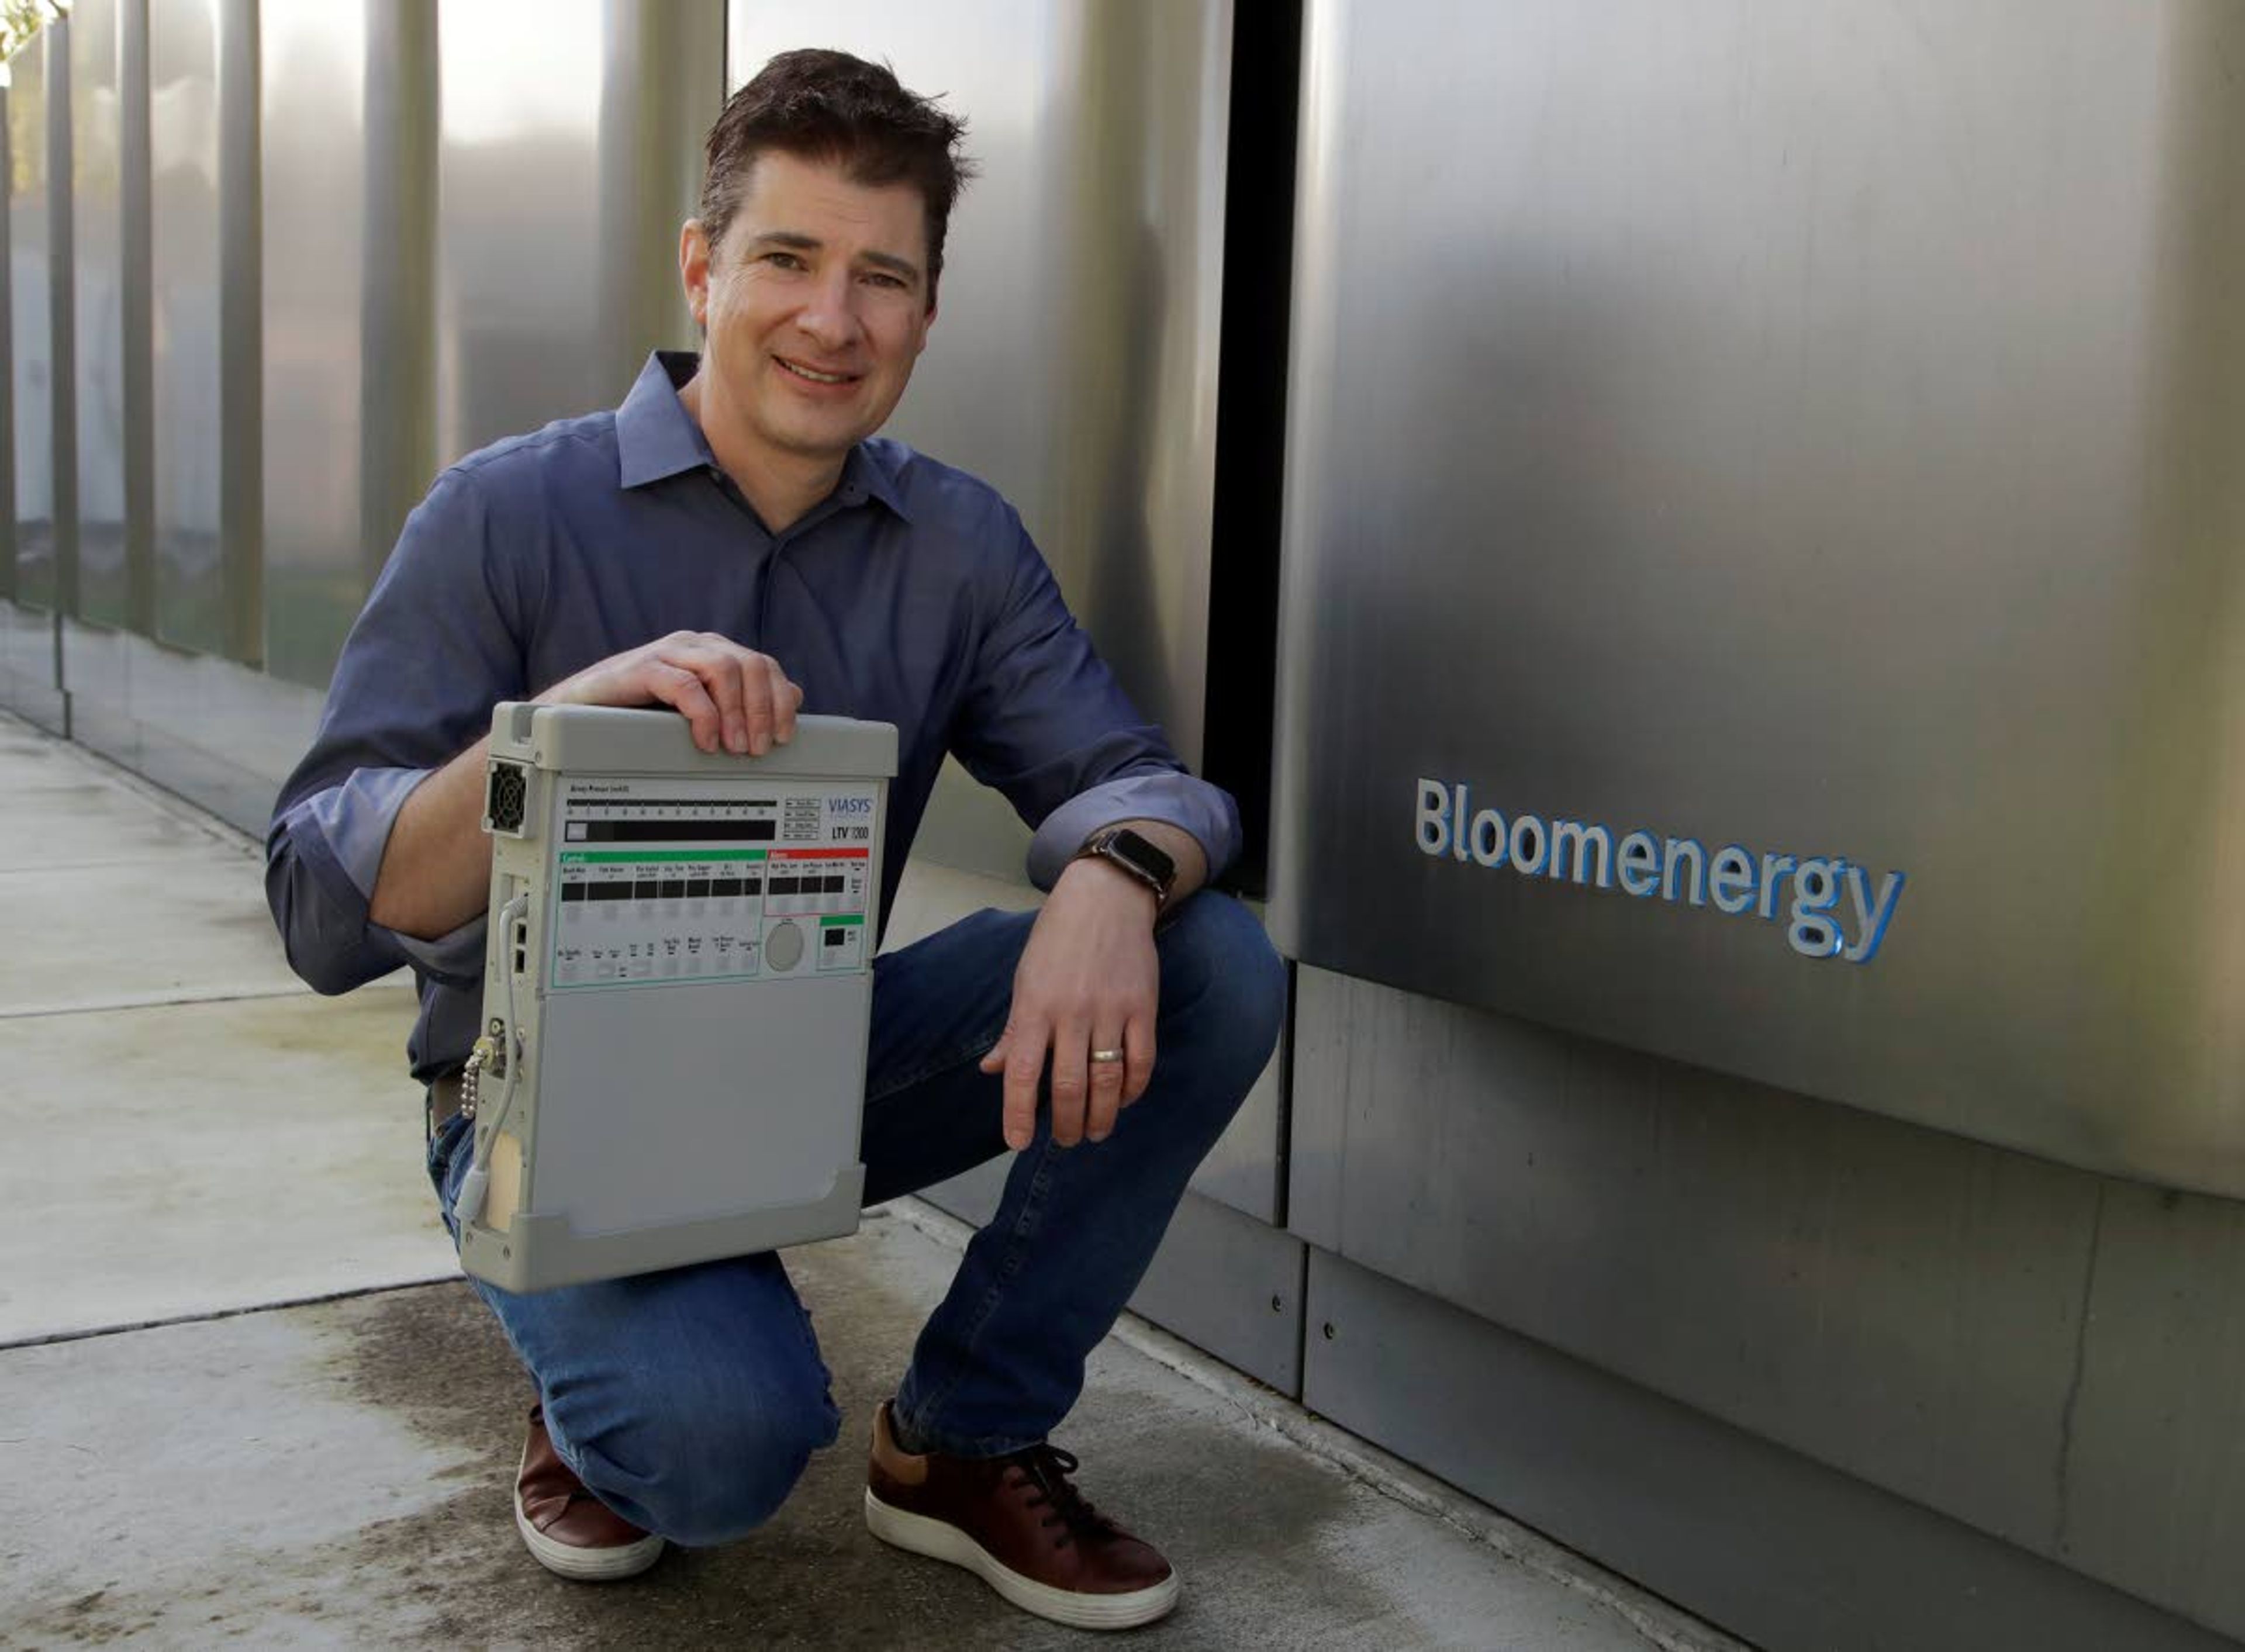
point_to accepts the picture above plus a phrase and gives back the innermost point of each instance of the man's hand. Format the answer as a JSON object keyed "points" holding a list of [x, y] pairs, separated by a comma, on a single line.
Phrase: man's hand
{"points": [[730, 695], [436, 869], [1088, 980]]}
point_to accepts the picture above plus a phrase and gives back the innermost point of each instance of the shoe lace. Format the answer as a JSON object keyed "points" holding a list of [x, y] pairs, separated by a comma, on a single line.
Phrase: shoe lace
{"points": [[1044, 1470]]}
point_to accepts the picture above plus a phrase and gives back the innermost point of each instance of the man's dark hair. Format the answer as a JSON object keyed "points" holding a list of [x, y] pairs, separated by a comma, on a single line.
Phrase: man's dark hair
{"points": [[829, 106]]}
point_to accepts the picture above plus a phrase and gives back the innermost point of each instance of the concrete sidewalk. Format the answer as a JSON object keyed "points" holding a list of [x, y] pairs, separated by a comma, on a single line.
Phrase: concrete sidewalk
{"points": [[244, 1397]]}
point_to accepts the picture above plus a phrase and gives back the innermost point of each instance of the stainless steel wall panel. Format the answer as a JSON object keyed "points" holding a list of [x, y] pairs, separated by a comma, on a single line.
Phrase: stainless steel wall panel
{"points": [[217, 732], [520, 83], [29, 680], [7, 360], [188, 356], [61, 412], [316, 160], [397, 283], [95, 660], [539, 97], [100, 313], [137, 296], [110, 245], [240, 327], [2153, 1480], [1246, 1168], [28, 683], [1073, 360], [1803, 427], [1230, 1284], [1760, 1540], [98, 269], [662, 85], [2038, 1351], [30, 287]]}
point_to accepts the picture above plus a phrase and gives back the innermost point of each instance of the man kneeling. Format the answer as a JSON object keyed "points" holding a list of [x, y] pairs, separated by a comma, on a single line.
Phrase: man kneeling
{"points": [[735, 543]]}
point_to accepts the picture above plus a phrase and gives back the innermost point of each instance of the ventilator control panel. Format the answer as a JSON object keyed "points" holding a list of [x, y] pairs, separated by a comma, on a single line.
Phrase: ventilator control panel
{"points": [[663, 881]]}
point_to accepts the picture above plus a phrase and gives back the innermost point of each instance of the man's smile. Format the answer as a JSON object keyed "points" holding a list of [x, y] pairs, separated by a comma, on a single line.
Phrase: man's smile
{"points": [[814, 376]]}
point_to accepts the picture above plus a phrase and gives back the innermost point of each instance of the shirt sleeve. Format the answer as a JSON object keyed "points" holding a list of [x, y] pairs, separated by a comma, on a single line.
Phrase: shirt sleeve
{"points": [[1044, 721], [438, 644]]}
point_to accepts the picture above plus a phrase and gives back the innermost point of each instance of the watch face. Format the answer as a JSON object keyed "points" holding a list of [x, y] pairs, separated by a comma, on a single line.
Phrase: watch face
{"points": [[1140, 853]]}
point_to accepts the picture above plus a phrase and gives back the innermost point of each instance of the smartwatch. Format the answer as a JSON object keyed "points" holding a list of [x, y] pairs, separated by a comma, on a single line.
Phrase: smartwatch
{"points": [[1125, 849]]}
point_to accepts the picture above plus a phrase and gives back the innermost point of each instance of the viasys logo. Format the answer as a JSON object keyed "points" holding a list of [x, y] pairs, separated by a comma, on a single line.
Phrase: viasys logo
{"points": [[1821, 893], [848, 805]]}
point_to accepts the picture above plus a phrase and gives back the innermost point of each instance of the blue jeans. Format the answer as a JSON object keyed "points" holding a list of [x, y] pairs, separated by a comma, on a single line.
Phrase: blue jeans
{"points": [[690, 1400]]}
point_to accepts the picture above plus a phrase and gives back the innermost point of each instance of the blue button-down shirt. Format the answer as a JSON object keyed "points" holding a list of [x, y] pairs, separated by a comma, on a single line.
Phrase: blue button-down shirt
{"points": [[911, 595]]}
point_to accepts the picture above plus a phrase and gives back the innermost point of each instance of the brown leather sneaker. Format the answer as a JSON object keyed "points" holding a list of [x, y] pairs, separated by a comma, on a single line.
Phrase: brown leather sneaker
{"points": [[571, 1532], [1017, 1524]]}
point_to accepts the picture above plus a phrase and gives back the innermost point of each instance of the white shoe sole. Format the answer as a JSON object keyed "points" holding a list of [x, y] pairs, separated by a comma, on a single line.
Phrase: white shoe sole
{"points": [[583, 1565], [941, 1540]]}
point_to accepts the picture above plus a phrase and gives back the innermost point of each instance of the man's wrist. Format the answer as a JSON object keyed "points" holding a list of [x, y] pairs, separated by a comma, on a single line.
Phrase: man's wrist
{"points": [[1104, 874], [1133, 855]]}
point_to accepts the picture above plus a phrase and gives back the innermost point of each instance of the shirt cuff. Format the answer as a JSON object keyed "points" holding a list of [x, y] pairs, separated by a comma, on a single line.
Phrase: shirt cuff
{"points": [[1193, 806], [354, 819]]}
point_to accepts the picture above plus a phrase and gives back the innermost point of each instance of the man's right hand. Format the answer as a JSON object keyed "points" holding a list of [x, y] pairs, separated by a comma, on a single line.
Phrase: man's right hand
{"points": [[436, 869], [732, 696]]}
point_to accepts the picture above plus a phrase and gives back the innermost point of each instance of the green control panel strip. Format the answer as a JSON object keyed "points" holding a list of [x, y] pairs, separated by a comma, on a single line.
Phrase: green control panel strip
{"points": [[678, 917]]}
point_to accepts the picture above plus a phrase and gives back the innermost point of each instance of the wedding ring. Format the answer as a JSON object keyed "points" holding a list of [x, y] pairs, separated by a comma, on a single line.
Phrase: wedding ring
{"points": [[1107, 1056]]}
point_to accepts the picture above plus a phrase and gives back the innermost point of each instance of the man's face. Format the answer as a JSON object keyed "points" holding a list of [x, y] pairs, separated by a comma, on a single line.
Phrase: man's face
{"points": [[816, 307]]}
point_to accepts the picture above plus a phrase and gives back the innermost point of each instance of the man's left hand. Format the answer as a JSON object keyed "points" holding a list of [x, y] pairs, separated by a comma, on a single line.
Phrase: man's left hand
{"points": [[1088, 980]]}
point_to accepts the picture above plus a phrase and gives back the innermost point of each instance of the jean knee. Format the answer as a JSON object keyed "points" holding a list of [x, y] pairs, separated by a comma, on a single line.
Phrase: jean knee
{"points": [[1224, 984], [710, 1470]]}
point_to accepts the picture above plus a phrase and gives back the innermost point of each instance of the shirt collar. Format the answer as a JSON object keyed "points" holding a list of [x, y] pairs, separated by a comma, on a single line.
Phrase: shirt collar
{"points": [[657, 437], [866, 476]]}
